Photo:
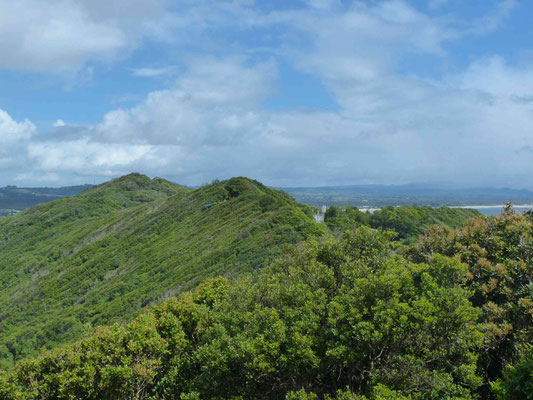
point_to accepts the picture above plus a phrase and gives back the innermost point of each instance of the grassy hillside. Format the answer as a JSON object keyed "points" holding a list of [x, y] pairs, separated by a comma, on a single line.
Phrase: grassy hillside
{"points": [[344, 320], [100, 257]]}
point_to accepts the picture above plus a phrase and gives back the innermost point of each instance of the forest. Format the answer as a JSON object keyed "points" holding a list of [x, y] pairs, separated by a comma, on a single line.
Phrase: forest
{"points": [[144, 289], [407, 221]]}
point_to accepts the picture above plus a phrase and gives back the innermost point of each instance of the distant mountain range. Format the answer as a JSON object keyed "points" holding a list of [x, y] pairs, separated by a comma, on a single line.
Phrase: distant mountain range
{"points": [[13, 198], [412, 194]]}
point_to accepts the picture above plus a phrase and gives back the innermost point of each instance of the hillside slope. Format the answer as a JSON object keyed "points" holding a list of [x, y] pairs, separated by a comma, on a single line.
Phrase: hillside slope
{"points": [[100, 257], [336, 315]]}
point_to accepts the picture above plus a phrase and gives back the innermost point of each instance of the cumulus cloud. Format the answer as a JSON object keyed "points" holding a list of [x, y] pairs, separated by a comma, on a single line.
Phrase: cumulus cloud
{"points": [[84, 157], [59, 123], [214, 105], [471, 127], [356, 52], [493, 76], [12, 131], [14, 137], [193, 133], [62, 36], [214, 102], [366, 41]]}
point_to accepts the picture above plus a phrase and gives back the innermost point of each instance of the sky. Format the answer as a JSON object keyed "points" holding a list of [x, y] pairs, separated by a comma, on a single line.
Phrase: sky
{"points": [[288, 92]]}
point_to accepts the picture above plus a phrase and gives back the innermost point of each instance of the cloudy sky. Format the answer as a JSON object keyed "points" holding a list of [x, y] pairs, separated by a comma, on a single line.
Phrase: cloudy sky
{"points": [[290, 92]]}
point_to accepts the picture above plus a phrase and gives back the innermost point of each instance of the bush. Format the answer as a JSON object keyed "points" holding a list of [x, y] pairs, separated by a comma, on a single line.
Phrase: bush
{"points": [[341, 318]]}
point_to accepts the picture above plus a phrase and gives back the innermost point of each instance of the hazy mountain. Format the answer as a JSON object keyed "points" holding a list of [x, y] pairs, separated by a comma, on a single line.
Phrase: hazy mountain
{"points": [[13, 198], [413, 194]]}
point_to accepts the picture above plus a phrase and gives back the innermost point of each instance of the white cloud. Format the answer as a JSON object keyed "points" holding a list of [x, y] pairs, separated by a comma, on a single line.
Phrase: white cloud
{"points": [[493, 76], [12, 131], [14, 137], [366, 42], [59, 123], [84, 157], [62, 36], [474, 126], [154, 72], [214, 106], [413, 131], [214, 102]]}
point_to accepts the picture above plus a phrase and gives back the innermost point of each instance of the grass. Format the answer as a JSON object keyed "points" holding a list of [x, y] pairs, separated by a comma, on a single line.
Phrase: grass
{"points": [[102, 256]]}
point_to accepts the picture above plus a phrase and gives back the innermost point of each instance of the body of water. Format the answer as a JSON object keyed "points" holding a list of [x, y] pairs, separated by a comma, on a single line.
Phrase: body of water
{"points": [[495, 210]]}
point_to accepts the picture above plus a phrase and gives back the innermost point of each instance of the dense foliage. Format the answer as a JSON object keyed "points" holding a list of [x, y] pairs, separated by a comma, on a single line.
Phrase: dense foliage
{"points": [[499, 253], [100, 257], [408, 221], [341, 318], [358, 315], [517, 381]]}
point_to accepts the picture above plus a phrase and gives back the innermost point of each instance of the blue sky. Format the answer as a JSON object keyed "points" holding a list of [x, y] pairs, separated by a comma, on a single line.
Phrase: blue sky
{"points": [[296, 93]]}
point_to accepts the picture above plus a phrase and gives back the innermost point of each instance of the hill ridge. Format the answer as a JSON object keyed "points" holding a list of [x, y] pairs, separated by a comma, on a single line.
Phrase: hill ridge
{"points": [[101, 256]]}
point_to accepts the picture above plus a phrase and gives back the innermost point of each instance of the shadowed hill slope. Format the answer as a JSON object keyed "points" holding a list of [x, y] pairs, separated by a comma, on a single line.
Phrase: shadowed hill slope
{"points": [[100, 257]]}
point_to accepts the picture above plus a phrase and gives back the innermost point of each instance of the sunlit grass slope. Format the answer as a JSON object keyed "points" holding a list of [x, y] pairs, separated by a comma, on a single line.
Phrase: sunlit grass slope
{"points": [[100, 257]]}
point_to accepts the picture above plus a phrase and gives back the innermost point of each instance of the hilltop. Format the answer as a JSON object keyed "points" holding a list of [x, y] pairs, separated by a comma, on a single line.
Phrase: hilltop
{"points": [[101, 256]]}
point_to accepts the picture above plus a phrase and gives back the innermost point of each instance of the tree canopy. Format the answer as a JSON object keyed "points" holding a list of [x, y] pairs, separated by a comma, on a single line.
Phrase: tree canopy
{"points": [[344, 318]]}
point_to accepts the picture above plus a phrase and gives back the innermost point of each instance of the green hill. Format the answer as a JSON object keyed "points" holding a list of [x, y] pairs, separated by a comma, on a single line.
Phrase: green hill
{"points": [[345, 318], [100, 257], [336, 319]]}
